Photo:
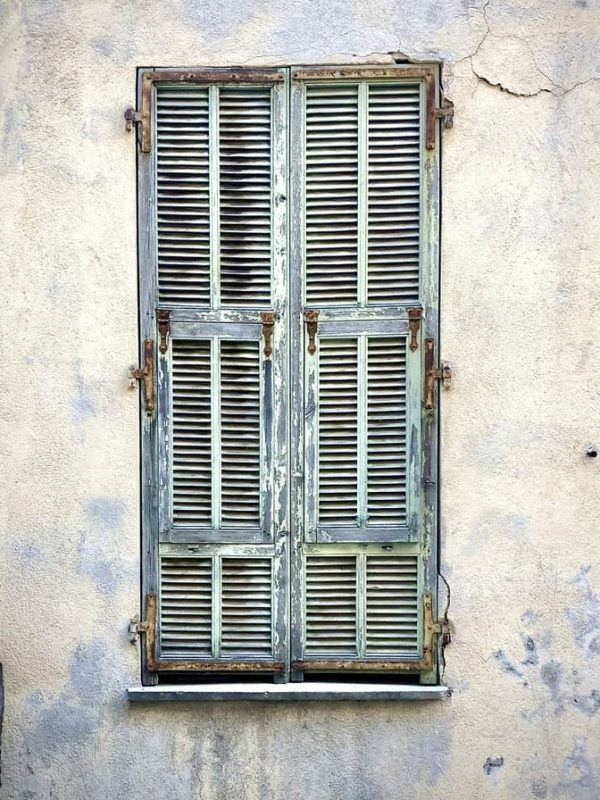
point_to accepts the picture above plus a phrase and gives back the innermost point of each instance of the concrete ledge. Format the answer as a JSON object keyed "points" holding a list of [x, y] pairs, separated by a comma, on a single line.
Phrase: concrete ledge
{"points": [[290, 692]]}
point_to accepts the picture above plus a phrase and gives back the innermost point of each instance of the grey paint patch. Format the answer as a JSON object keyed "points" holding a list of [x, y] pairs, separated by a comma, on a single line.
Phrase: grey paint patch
{"points": [[507, 665], [26, 554], [579, 779], [106, 511], [588, 704], [585, 616], [76, 714], [551, 674], [107, 573], [98, 552], [531, 658], [539, 788], [220, 18], [81, 404], [492, 764], [529, 617]]}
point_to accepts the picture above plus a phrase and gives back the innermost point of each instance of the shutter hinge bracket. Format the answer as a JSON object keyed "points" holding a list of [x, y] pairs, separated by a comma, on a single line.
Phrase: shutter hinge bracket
{"points": [[445, 112], [146, 375]]}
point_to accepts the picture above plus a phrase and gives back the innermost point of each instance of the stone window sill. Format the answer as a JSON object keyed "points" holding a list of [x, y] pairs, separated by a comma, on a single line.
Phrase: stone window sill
{"points": [[286, 692]]}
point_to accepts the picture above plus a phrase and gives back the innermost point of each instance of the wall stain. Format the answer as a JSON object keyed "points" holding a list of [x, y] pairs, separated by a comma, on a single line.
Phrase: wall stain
{"points": [[106, 511], [579, 779], [492, 764], [551, 674], [539, 788]]}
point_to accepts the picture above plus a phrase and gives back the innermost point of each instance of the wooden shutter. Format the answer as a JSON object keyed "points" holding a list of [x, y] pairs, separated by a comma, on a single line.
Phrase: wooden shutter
{"points": [[216, 448], [364, 195]]}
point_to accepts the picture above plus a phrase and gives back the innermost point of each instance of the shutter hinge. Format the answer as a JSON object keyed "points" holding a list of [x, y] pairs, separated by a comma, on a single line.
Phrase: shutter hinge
{"points": [[433, 373], [441, 628], [136, 627], [445, 112], [132, 117], [146, 375]]}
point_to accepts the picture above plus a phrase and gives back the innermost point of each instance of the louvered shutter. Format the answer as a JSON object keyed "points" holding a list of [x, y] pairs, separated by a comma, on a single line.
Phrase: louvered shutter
{"points": [[363, 186], [217, 186]]}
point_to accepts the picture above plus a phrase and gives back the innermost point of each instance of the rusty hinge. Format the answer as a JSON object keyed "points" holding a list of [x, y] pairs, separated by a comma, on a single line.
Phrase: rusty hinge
{"points": [[414, 325], [445, 112], [268, 321], [433, 373], [163, 319], [146, 375], [132, 117], [135, 628]]}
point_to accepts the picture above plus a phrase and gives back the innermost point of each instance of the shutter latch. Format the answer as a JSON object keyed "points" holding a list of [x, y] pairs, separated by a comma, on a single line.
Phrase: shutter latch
{"points": [[312, 320], [268, 321], [414, 324], [146, 375], [442, 373], [163, 319]]}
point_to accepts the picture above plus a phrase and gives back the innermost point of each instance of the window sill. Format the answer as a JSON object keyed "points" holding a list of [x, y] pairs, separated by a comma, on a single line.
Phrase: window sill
{"points": [[290, 692]]}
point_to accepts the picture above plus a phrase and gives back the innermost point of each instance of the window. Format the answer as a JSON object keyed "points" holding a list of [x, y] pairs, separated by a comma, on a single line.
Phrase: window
{"points": [[288, 294]]}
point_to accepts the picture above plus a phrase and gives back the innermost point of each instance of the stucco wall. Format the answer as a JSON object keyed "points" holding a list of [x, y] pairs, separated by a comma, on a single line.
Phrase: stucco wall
{"points": [[521, 327]]}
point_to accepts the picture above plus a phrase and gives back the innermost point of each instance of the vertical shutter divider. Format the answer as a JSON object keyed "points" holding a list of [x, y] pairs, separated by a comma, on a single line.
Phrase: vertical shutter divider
{"points": [[214, 193], [361, 432], [361, 605], [215, 428], [217, 575], [362, 210]]}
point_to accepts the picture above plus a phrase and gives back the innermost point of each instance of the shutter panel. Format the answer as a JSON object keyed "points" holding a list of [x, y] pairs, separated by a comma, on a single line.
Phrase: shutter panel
{"points": [[220, 546], [363, 187]]}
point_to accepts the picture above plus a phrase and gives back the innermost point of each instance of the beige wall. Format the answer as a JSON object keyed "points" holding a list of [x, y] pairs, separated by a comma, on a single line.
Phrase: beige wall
{"points": [[521, 327]]}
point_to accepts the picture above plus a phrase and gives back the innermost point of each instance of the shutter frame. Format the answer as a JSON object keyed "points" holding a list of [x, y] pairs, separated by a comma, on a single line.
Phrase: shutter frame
{"points": [[424, 665], [234, 551], [421, 522]]}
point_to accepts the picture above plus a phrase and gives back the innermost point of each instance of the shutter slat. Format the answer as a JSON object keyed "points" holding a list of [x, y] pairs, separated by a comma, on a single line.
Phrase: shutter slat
{"points": [[245, 197], [392, 616], [331, 201], [186, 607], [191, 430], [182, 185], [338, 430], [240, 432], [330, 605], [386, 430], [246, 607], [393, 190]]}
